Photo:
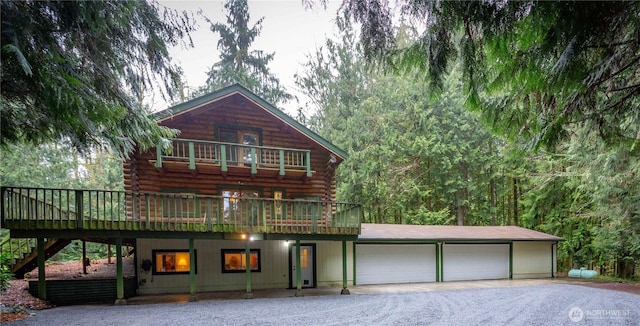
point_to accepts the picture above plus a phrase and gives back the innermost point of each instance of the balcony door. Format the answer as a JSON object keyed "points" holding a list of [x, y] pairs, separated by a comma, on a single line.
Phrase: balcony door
{"points": [[241, 206], [240, 155]]}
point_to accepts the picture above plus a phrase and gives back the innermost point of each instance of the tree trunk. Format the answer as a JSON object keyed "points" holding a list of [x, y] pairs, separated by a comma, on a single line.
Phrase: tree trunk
{"points": [[626, 268], [515, 202], [492, 202]]}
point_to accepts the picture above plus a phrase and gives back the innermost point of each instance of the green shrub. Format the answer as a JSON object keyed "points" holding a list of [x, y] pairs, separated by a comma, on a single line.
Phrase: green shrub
{"points": [[5, 275]]}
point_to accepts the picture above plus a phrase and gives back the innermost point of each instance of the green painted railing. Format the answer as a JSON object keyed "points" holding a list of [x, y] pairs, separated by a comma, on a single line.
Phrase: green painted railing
{"points": [[230, 154], [61, 209]]}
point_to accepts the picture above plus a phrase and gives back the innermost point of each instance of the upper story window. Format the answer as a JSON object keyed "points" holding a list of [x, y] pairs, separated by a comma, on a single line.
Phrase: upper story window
{"points": [[246, 136]]}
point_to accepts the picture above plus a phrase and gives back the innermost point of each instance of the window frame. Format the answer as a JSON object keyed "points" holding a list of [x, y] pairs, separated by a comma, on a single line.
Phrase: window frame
{"points": [[154, 261], [282, 214], [241, 253], [239, 157]]}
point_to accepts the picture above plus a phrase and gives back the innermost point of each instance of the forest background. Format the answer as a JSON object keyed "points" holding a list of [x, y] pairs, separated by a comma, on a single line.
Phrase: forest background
{"points": [[429, 141]]}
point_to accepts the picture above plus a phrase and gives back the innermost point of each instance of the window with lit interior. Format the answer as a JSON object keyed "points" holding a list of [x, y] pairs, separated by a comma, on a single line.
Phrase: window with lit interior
{"points": [[171, 262], [235, 260]]}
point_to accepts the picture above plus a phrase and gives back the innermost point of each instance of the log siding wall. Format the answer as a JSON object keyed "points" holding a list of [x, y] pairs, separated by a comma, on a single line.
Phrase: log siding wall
{"points": [[141, 175]]}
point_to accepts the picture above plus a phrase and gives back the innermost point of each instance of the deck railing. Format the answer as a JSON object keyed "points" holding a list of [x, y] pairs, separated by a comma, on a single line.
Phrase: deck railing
{"points": [[16, 249], [230, 154], [61, 209]]}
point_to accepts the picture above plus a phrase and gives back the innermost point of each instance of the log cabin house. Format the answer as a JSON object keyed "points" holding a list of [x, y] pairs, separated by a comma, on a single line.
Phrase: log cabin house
{"points": [[243, 184], [244, 198]]}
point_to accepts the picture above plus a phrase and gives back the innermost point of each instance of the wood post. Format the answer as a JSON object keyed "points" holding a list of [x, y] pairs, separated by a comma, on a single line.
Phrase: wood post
{"points": [[192, 272], [120, 300], [281, 161], [84, 257], [42, 286], [247, 253], [345, 290], [298, 271]]}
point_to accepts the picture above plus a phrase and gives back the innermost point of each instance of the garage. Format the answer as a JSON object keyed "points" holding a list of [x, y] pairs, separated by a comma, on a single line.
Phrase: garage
{"points": [[397, 263], [400, 253], [462, 262]]}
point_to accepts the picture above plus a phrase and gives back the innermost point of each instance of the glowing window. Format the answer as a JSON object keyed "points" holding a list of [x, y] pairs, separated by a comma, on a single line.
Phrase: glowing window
{"points": [[235, 260], [171, 262]]}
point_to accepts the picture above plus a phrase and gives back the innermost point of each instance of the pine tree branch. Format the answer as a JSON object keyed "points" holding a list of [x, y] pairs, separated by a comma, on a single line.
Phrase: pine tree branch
{"points": [[621, 70]]}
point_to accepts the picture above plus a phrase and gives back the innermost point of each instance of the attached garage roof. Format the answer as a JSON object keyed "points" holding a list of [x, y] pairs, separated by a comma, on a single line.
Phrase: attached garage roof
{"points": [[397, 232]]}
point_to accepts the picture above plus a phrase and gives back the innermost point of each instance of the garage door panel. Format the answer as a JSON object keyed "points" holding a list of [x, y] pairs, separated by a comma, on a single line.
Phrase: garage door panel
{"points": [[475, 261], [380, 264]]}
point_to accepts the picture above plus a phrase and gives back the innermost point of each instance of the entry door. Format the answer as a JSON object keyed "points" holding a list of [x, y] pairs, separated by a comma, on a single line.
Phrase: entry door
{"points": [[307, 265]]}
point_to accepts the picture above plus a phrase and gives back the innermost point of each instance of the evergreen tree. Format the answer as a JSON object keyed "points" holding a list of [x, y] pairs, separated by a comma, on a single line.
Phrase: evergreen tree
{"points": [[238, 63], [412, 159], [534, 68], [71, 70]]}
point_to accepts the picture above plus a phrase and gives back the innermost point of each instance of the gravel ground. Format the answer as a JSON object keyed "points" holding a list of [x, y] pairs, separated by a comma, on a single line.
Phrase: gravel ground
{"points": [[527, 305]]}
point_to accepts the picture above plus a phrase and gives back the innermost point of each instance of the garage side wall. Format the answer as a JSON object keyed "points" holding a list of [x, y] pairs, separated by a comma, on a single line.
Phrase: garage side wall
{"points": [[533, 259], [329, 263]]}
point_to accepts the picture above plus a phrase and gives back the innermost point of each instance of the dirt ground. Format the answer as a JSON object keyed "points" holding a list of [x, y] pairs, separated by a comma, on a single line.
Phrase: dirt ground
{"points": [[16, 300]]}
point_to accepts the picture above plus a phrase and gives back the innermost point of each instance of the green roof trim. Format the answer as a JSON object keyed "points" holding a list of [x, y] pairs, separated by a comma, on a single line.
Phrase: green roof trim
{"points": [[237, 88]]}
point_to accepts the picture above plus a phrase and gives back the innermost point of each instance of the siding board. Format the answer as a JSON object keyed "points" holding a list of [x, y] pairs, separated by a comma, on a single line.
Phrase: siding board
{"points": [[81, 291]]}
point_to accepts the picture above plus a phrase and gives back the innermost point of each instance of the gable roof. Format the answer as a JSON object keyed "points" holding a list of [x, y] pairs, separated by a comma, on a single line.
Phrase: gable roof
{"points": [[198, 102], [406, 232]]}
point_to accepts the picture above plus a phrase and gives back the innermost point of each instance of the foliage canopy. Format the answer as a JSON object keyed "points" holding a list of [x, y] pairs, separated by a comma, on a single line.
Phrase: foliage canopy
{"points": [[75, 69], [534, 68]]}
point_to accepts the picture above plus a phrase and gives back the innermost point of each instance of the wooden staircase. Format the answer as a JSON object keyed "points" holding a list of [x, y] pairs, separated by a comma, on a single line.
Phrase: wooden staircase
{"points": [[23, 253]]}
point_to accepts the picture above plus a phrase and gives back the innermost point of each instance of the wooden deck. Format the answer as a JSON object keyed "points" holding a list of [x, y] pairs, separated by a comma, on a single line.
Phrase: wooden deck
{"points": [[58, 209]]}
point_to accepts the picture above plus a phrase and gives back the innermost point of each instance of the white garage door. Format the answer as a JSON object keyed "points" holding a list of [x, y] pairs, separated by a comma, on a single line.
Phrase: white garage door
{"points": [[475, 261], [397, 263]]}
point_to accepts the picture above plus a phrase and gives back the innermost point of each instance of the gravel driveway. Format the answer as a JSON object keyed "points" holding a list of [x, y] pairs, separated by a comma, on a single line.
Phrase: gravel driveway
{"points": [[557, 304]]}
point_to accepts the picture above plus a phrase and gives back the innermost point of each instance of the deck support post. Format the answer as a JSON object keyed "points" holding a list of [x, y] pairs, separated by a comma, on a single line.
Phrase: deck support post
{"points": [[192, 272], [511, 260], [120, 300], [84, 257], [354, 257], [298, 271], [42, 286], [345, 290], [247, 263], [438, 247]]}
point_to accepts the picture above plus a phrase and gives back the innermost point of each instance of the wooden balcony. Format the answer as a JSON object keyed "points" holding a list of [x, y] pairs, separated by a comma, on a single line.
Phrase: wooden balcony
{"points": [[235, 159], [95, 210]]}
